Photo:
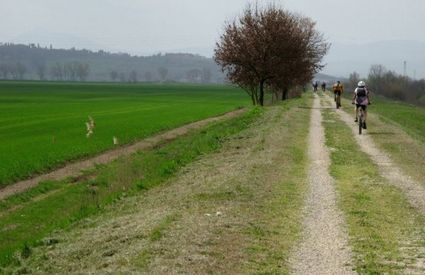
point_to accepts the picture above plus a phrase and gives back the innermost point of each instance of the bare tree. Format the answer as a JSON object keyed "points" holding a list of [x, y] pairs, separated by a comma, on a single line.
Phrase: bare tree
{"points": [[113, 75], [4, 70], [82, 71], [353, 79], [270, 47], [41, 71], [122, 77], [56, 71], [148, 76], [206, 75], [163, 72], [133, 77], [194, 75]]}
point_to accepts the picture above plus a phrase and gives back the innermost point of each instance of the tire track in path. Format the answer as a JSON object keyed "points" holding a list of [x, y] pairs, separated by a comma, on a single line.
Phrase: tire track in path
{"points": [[414, 191], [324, 248]]}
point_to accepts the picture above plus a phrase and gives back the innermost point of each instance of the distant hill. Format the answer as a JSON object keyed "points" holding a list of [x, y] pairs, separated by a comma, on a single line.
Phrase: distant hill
{"points": [[343, 59], [32, 62], [327, 78]]}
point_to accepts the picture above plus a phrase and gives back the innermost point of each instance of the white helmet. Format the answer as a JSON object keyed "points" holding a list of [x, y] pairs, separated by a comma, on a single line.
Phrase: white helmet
{"points": [[361, 84]]}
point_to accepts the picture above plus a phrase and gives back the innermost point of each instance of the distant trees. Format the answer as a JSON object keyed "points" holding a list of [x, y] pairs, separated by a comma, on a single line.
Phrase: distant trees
{"points": [[44, 63], [353, 79], [392, 85], [71, 71], [270, 48]]}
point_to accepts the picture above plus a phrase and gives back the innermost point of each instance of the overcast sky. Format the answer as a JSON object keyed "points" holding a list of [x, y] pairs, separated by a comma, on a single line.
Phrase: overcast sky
{"points": [[152, 26]]}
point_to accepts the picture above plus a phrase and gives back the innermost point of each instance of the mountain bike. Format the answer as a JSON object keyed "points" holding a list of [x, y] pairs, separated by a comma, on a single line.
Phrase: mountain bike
{"points": [[360, 118], [338, 100]]}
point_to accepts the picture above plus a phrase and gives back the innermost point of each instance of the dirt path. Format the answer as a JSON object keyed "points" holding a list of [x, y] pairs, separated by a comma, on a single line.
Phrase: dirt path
{"points": [[414, 191], [75, 169], [324, 248]]}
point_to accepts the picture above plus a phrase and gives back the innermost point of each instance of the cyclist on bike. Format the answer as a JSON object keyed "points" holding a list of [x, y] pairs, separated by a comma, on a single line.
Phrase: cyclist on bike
{"points": [[315, 85], [361, 100], [338, 88]]}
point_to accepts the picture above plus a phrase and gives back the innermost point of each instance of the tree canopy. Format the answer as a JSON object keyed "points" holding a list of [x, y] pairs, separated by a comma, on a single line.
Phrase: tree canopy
{"points": [[270, 47]]}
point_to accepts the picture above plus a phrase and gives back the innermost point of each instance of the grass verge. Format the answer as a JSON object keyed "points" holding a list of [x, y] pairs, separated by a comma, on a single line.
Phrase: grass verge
{"points": [[386, 233], [24, 224], [397, 128], [277, 223]]}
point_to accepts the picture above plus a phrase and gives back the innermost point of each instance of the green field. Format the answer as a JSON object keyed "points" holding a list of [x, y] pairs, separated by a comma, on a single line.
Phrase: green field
{"points": [[406, 116], [42, 125]]}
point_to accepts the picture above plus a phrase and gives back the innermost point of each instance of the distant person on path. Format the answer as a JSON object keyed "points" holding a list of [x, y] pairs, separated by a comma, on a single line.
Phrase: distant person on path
{"points": [[323, 86], [361, 100], [337, 88], [315, 85]]}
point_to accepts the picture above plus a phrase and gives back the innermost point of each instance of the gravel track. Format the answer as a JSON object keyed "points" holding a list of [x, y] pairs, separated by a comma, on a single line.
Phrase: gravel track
{"points": [[324, 248], [75, 169], [414, 191]]}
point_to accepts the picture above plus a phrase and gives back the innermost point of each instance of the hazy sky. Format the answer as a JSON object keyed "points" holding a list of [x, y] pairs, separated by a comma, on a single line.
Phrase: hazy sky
{"points": [[151, 26]]}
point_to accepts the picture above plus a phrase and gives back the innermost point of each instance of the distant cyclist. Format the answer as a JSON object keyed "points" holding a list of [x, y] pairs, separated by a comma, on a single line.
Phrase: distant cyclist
{"points": [[361, 99], [315, 85], [323, 86], [337, 88]]}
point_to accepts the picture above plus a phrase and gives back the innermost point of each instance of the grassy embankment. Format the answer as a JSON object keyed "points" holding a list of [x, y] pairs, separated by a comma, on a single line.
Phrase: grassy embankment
{"points": [[42, 125], [266, 202], [386, 233], [30, 216]]}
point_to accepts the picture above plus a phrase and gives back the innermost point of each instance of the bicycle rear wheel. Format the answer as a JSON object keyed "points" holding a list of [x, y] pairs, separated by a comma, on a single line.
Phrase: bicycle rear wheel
{"points": [[360, 126]]}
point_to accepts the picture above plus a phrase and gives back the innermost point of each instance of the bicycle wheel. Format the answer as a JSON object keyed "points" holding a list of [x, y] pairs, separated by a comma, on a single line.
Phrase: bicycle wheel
{"points": [[361, 120], [360, 126]]}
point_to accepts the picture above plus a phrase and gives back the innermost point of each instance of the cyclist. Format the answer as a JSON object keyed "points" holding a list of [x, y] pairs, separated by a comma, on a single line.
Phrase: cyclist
{"points": [[361, 100], [315, 84], [338, 88], [323, 86]]}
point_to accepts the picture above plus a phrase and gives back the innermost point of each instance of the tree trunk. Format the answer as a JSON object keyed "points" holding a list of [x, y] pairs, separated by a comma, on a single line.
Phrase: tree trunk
{"points": [[284, 94], [262, 92]]}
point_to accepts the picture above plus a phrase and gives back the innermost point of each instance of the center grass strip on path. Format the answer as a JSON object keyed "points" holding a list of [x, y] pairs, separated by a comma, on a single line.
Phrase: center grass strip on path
{"points": [[324, 248], [386, 234], [236, 211], [414, 191], [75, 169]]}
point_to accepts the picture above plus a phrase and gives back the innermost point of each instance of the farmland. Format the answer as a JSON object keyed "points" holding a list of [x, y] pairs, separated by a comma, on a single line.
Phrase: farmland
{"points": [[42, 125]]}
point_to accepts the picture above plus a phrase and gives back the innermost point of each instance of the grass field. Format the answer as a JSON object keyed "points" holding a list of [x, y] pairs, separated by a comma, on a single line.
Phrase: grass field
{"points": [[42, 125], [406, 116]]}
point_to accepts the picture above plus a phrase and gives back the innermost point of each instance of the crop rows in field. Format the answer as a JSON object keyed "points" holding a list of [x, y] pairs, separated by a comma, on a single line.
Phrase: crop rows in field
{"points": [[43, 125]]}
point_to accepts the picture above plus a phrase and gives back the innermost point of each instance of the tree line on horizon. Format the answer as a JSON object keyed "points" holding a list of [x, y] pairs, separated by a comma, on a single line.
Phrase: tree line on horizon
{"points": [[32, 62], [392, 85]]}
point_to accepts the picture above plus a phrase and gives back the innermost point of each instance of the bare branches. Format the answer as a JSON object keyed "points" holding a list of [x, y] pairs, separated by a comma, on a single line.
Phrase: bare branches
{"points": [[270, 47]]}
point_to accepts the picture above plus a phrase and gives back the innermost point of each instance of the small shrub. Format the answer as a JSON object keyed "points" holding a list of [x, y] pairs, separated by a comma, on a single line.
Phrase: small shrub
{"points": [[26, 251]]}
